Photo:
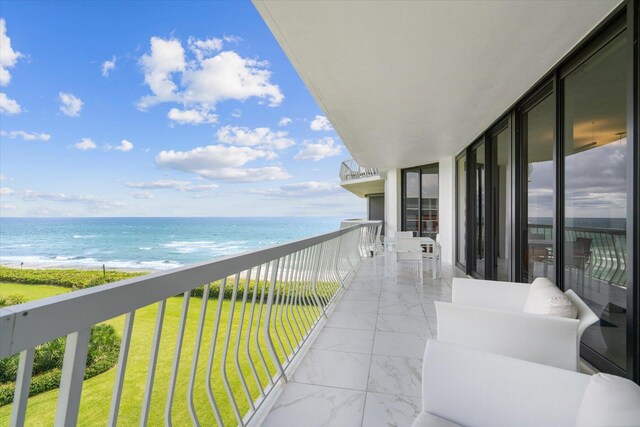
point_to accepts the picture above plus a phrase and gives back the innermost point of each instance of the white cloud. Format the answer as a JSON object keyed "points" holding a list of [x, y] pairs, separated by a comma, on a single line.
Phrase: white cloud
{"points": [[154, 185], [285, 121], [263, 138], [163, 184], [219, 162], [9, 106], [205, 80], [108, 67], [124, 146], [166, 57], [27, 136], [8, 56], [320, 123], [141, 195], [70, 105], [203, 48], [92, 201], [323, 148], [232, 39], [310, 189], [237, 113], [6, 191], [5, 206], [192, 117], [3, 177], [85, 145]]}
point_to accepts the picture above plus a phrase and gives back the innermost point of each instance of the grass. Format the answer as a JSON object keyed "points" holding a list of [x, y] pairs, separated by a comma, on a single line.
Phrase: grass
{"points": [[96, 396]]}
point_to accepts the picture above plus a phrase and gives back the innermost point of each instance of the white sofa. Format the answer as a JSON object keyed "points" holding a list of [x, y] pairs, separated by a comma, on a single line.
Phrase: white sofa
{"points": [[488, 315], [466, 387]]}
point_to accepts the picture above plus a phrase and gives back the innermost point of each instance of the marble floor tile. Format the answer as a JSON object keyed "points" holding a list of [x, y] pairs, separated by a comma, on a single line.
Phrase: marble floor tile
{"points": [[358, 306], [408, 309], [345, 319], [402, 323], [339, 339], [399, 344], [316, 406], [357, 295], [334, 369], [395, 375], [390, 410]]}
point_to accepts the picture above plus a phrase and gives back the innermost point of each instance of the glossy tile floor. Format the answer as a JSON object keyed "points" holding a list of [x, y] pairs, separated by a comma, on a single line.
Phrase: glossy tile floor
{"points": [[364, 367]]}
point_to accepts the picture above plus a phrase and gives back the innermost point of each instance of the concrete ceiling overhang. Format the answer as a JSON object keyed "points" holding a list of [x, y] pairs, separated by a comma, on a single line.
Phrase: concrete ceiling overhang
{"points": [[407, 82]]}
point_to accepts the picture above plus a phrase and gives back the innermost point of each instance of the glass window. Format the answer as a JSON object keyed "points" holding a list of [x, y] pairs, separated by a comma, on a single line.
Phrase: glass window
{"points": [[420, 200], [501, 182], [595, 194], [412, 200], [538, 134], [461, 218], [478, 209]]}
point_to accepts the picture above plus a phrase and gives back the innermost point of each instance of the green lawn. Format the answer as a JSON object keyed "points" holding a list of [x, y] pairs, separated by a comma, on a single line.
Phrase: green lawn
{"points": [[96, 396]]}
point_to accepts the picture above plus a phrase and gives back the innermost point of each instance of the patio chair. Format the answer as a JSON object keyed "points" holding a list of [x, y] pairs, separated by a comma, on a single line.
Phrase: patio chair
{"points": [[410, 250], [579, 258], [488, 315], [472, 388]]}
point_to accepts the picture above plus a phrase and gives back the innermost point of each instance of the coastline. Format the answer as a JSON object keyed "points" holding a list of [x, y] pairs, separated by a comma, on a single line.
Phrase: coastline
{"points": [[43, 266]]}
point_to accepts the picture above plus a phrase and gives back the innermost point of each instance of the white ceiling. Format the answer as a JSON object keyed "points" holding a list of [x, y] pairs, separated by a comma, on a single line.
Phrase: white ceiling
{"points": [[407, 82]]}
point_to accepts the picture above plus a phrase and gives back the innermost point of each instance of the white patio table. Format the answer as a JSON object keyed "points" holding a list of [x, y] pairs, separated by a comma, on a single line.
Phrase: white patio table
{"points": [[433, 247]]}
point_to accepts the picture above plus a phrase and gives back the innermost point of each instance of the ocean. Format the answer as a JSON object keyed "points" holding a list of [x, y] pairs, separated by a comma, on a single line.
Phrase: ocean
{"points": [[144, 243]]}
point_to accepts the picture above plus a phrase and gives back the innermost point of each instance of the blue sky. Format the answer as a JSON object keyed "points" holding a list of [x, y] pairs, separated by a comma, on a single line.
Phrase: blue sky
{"points": [[158, 109]]}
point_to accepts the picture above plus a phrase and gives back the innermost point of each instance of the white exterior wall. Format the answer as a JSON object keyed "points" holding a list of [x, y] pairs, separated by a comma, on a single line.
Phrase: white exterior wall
{"points": [[393, 202]]}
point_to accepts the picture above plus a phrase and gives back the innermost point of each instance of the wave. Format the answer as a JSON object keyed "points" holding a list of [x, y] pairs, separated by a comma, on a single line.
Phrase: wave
{"points": [[85, 262], [145, 248], [210, 246], [84, 236]]}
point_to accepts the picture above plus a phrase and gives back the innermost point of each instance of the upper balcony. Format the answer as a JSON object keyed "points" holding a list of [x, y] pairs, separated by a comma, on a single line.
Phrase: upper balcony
{"points": [[360, 180]]}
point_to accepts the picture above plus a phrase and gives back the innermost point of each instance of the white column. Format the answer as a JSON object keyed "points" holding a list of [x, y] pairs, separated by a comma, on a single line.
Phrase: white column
{"points": [[446, 190], [392, 202]]}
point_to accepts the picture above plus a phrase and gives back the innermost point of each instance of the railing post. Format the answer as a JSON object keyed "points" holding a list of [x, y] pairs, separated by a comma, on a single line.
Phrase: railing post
{"points": [[267, 323], [23, 382], [314, 279], [75, 360]]}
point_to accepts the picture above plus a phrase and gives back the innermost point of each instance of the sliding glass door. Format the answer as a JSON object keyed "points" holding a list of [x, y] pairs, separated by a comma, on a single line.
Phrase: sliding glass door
{"points": [[477, 171], [501, 202], [537, 177], [420, 203], [595, 194]]}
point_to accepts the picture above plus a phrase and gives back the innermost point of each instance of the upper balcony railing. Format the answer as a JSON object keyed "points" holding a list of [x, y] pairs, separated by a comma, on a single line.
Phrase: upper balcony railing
{"points": [[256, 311], [350, 170]]}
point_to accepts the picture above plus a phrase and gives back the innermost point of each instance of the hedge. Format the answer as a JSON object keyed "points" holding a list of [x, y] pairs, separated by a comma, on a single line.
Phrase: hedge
{"points": [[104, 348], [76, 279]]}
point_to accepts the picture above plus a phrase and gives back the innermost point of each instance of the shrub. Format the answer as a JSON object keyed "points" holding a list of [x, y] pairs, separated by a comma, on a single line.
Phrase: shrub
{"points": [[12, 300], [104, 347], [76, 279]]}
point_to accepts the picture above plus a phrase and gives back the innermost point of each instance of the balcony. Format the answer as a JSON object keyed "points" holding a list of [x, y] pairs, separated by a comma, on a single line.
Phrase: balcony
{"points": [[219, 360], [360, 180]]}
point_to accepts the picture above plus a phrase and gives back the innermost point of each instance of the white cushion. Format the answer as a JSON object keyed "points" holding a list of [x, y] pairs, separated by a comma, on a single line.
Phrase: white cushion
{"points": [[610, 401], [545, 298]]}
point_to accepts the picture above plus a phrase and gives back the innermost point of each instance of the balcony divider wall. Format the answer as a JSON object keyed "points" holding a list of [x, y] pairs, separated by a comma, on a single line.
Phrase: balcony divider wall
{"points": [[561, 149]]}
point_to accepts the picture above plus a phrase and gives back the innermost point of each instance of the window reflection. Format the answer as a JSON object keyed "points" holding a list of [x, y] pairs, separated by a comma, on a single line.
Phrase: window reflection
{"points": [[595, 147]]}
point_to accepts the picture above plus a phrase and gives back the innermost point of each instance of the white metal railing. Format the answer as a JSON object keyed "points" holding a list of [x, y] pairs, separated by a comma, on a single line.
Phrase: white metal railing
{"points": [[287, 291], [370, 243], [350, 170]]}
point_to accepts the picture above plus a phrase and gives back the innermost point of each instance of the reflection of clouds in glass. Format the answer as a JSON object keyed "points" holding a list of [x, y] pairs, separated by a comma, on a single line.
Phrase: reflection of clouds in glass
{"points": [[540, 190], [429, 186], [595, 182], [412, 184]]}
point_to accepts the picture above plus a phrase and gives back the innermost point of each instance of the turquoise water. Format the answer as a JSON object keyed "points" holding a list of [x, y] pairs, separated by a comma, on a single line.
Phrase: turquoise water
{"points": [[144, 243]]}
